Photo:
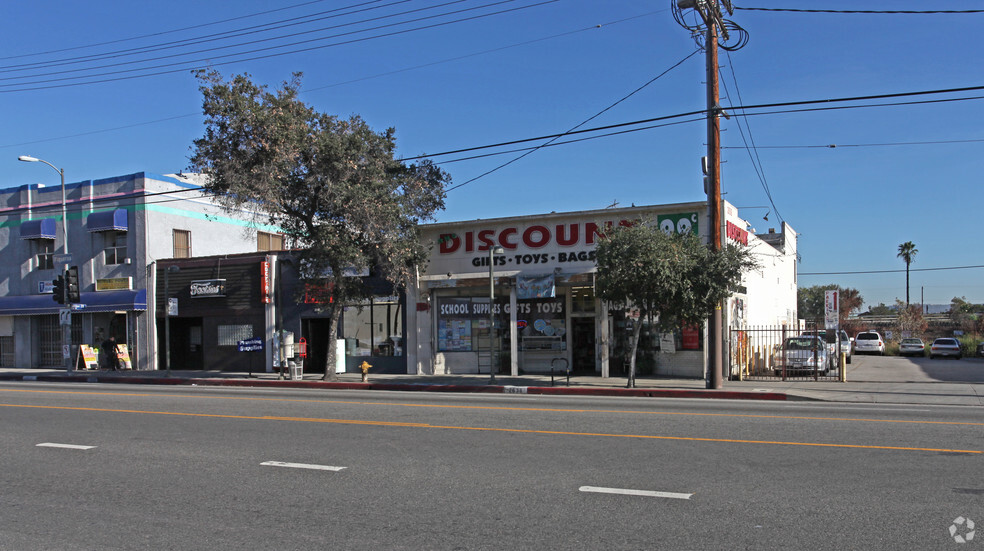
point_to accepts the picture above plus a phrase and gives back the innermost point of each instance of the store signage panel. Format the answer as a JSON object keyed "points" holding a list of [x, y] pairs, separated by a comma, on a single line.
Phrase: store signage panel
{"points": [[536, 246], [207, 288], [114, 284]]}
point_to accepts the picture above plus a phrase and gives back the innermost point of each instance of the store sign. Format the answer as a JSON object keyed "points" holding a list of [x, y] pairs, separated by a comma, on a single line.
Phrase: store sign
{"points": [[465, 307], [265, 282], [737, 234], [831, 309], [207, 288], [114, 284]]}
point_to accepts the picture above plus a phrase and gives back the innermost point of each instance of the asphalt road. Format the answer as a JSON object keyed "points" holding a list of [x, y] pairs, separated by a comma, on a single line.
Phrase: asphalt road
{"points": [[223, 468], [867, 368]]}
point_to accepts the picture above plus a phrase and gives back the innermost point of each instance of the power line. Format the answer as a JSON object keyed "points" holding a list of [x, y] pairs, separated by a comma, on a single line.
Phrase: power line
{"points": [[211, 38], [578, 125], [117, 41], [753, 150], [892, 12], [210, 61], [377, 75], [742, 107], [891, 271], [883, 144]]}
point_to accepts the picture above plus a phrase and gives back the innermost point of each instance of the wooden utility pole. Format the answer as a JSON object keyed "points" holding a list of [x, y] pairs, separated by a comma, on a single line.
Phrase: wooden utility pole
{"points": [[710, 12]]}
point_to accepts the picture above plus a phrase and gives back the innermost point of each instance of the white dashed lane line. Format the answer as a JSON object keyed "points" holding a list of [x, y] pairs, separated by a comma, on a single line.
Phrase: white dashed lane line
{"points": [[65, 446], [301, 466], [627, 492]]}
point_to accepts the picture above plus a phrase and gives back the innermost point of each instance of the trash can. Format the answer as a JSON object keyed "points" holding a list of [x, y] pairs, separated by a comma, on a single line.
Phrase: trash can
{"points": [[296, 370]]}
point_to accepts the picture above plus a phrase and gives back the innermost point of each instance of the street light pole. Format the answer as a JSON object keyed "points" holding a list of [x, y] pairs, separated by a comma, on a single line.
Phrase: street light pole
{"points": [[66, 327], [492, 252]]}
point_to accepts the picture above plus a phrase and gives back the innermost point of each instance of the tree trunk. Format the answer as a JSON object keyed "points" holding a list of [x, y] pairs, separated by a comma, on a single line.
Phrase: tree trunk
{"points": [[331, 373], [636, 331], [906, 283]]}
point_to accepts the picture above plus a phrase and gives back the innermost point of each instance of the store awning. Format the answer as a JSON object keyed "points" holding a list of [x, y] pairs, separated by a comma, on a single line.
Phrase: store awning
{"points": [[107, 301], [43, 228], [109, 220]]}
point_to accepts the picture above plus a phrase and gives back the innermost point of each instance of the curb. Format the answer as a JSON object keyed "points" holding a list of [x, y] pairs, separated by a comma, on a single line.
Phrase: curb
{"points": [[410, 387]]}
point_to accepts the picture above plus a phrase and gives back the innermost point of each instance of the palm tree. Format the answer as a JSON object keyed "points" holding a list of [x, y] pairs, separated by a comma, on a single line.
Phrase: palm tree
{"points": [[907, 251]]}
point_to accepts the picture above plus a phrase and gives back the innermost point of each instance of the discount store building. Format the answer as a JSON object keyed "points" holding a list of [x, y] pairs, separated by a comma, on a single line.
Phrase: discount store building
{"points": [[546, 313]]}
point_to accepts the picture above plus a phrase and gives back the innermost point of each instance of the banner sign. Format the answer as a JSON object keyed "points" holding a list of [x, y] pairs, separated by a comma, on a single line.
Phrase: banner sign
{"points": [[831, 309], [535, 287]]}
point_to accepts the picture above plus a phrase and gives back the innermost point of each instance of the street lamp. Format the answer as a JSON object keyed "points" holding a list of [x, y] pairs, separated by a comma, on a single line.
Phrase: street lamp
{"points": [[167, 317], [66, 327], [492, 252]]}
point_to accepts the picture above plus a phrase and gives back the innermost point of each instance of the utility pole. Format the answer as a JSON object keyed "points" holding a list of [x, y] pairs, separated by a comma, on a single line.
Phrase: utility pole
{"points": [[713, 21]]}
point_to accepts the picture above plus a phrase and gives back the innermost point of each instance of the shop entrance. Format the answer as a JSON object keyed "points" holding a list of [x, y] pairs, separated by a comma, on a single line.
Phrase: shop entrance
{"points": [[583, 345], [186, 343], [316, 334]]}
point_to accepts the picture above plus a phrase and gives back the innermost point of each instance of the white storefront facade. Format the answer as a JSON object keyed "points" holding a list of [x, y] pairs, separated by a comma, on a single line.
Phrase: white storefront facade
{"points": [[545, 313]]}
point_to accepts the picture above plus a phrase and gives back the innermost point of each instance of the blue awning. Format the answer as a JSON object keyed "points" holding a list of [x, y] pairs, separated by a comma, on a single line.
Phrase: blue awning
{"points": [[107, 220], [105, 301], [43, 228]]}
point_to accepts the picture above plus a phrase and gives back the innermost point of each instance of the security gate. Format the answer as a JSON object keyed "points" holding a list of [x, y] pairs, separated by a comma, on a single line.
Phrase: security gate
{"points": [[784, 353]]}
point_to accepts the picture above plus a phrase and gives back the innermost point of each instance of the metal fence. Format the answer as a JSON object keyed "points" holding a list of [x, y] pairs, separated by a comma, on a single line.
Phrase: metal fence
{"points": [[784, 353]]}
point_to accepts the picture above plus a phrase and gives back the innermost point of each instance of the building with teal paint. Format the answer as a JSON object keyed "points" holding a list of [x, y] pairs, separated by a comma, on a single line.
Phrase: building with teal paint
{"points": [[117, 230]]}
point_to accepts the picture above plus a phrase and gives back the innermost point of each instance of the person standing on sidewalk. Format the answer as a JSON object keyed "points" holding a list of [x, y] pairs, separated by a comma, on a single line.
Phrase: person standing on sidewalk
{"points": [[111, 354]]}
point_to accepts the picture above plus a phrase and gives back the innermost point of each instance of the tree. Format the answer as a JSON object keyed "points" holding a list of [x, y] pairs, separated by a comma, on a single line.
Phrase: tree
{"points": [[332, 185], [910, 320], [672, 279], [811, 301], [907, 251]]}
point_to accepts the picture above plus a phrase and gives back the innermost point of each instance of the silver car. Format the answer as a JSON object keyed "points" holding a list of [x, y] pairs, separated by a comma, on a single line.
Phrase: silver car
{"points": [[869, 341], [945, 347], [803, 353]]}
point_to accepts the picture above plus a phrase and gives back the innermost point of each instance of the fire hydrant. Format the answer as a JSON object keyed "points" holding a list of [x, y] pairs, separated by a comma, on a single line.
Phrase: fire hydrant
{"points": [[364, 366]]}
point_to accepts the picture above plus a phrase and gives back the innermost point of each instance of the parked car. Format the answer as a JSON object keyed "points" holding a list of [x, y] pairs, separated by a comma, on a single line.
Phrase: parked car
{"points": [[912, 347], [980, 348], [803, 353], [945, 347], [869, 341]]}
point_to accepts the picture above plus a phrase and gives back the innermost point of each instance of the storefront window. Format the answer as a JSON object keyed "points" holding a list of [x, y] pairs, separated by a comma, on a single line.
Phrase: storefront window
{"points": [[374, 328], [463, 322]]}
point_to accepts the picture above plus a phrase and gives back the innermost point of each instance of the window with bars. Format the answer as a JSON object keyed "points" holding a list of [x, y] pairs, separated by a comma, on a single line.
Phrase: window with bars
{"points": [[182, 244]]}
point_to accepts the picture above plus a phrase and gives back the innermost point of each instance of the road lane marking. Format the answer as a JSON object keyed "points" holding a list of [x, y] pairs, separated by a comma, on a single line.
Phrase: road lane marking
{"points": [[301, 466], [66, 446], [493, 429], [540, 409], [627, 492]]}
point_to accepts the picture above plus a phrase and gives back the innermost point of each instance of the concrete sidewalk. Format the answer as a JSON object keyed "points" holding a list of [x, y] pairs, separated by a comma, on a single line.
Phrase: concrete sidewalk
{"points": [[936, 393]]}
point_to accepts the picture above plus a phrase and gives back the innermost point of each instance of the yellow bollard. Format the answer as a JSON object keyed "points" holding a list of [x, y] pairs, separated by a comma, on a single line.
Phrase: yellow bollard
{"points": [[843, 367]]}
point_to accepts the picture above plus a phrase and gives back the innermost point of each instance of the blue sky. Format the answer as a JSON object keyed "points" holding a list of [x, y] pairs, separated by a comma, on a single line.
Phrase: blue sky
{"points": [[899, 173]]}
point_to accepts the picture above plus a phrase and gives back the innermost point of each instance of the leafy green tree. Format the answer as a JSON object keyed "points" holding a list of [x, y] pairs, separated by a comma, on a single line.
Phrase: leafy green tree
{"points": [[881, 310], [672, 279], [907, 252], [332, 185], [811, 301]]}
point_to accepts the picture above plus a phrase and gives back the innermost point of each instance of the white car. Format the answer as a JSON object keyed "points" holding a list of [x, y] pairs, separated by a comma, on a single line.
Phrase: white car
{"points": [[869, 342], [945, 347]]}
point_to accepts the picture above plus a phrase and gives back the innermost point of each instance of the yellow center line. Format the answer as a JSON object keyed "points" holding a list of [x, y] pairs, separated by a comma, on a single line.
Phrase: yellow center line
{"points": [[494, 429], [498, 408]]}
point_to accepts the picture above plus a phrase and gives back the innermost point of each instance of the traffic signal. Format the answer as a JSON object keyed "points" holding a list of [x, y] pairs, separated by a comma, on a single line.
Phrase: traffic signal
{"points": [[58, 293], [72, 284]]}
